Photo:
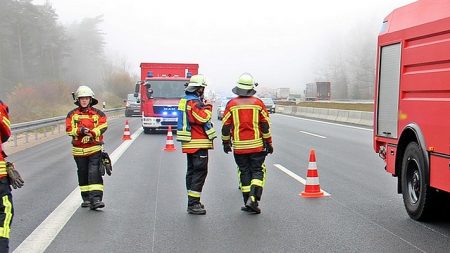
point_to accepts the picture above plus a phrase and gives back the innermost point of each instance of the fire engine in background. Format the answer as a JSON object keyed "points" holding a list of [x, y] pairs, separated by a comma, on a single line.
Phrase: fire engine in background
{"points": [[318, 91], [161, 88], [412, 104]]}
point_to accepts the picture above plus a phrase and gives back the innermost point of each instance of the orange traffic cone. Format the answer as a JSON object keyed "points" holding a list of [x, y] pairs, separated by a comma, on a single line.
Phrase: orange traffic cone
{"points": [[169, 143], [126, 132], [312, 186]]}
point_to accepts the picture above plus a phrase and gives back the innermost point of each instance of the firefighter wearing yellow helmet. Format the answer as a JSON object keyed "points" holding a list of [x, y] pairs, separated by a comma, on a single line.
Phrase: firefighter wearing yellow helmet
{"points": [[246, 133], [86, 125], [196, 134]]}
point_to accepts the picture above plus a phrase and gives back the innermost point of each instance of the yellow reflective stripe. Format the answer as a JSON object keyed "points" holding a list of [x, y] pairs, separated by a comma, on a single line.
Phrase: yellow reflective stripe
{"points": [[183, 135], [211, 133], [257, 182], [91, 187], [248, 144], [245, 188], [226, 137], [266, 116], [98, 129], [84, 188], [236, 123], [2, 164], [267, 135], [95, 187], [201, 119], [238, 107], [85, 151], [7, 122], [226, 116], [182, 104], [256, 123], [194, 194], [198, 143], [8, 217]]}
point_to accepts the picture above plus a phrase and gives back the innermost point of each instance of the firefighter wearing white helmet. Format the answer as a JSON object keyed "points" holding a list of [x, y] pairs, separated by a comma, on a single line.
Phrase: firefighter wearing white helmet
{"points": [[196, 134], [85, 91], [86, 125], [246, 128]]}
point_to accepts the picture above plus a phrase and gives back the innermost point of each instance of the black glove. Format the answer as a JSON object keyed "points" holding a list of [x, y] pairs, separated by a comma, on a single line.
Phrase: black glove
{"points": [[226, 147], [105, 164], [83, 130], [268, 148], [15, 180]]}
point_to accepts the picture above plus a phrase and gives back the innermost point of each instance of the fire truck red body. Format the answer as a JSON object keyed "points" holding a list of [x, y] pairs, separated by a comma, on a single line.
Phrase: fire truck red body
{"points": [[161, 88], [412, 104]]}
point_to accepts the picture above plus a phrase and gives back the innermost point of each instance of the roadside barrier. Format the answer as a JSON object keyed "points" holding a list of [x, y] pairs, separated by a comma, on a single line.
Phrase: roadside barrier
{"points": [[346, 116], [170, 146], [126, 132], [312, 186]]}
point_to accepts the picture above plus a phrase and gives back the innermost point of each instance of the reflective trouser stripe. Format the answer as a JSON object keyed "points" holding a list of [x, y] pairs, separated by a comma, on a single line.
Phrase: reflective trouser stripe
{"points": [[245, 188], [194, 194], [4, 231], [92, 187], [257, 182]]}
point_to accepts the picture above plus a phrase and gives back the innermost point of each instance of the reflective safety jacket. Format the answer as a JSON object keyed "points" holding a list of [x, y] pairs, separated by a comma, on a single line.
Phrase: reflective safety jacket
{"points": [[246, 124], [5, 133], [194, 129], [95, 121]]}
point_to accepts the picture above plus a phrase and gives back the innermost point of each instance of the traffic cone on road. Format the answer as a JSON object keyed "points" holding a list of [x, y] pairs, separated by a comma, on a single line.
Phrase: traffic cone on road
{"points": [[126, 132], [312, 186], [169, 142]]}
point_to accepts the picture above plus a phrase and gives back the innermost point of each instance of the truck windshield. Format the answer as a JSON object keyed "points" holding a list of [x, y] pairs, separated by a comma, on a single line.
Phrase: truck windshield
{"points": [[167, 88]]}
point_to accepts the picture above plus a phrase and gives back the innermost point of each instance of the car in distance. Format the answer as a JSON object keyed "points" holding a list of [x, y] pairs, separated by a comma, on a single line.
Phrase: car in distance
{"points": [[132, 106], [270, 105], [221, 108]]}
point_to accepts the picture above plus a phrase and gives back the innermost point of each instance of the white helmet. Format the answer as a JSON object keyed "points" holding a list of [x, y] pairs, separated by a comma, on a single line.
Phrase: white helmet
{"points": [[85, 91], [195, 82]]}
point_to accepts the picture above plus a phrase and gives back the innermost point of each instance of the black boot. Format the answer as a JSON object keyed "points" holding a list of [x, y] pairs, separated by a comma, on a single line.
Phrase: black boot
{"points": [[253, 205], [97, 204], [86, 203], [196, 209]]}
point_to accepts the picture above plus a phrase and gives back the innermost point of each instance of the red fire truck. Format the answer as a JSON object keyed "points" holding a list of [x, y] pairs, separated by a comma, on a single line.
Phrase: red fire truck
{"points": [[161, 88], [412, 104]]}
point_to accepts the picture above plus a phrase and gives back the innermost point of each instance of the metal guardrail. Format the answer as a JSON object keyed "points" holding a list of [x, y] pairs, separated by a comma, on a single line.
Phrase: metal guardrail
{"points": [[26, 127]]}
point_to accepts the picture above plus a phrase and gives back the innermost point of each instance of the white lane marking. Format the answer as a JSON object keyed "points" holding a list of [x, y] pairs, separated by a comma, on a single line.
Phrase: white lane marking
{"points": [[316, 135], [296, 177], [328, 123], [45, 233]]}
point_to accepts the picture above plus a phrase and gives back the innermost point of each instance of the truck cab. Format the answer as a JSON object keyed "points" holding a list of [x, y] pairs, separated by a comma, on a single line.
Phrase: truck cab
{"points": [[161, 88]]}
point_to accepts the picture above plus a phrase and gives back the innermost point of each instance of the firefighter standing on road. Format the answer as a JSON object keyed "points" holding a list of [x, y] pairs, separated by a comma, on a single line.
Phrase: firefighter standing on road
{"points": [[196, 134], [86, 125], [8, 175], [246, 129]]}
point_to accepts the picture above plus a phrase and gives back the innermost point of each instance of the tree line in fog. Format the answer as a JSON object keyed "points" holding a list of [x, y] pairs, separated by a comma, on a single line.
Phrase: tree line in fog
{"points": [[43, 61]]}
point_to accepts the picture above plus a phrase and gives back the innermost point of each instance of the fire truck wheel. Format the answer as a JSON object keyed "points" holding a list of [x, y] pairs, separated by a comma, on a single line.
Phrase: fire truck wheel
{"points": [[417, 195]]}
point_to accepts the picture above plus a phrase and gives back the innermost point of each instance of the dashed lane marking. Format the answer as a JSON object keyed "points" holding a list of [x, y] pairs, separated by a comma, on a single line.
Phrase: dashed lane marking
{"points": [[315, 135], [296, 177], [45, 233]]}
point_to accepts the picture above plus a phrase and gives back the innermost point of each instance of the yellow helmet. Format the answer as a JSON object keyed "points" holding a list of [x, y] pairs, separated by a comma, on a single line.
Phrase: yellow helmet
{"points": [[85, 91], [245, 85], [195, 82]]}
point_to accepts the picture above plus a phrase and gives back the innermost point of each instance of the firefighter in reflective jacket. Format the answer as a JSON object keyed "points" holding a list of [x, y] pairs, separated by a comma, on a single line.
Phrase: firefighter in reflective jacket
{"points": [[6, 206], [246, 128], [86, 125], [196, 134]]}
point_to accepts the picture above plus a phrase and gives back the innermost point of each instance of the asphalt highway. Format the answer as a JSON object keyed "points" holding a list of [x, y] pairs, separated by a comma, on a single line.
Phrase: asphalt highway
{"points": [[146, 199]]}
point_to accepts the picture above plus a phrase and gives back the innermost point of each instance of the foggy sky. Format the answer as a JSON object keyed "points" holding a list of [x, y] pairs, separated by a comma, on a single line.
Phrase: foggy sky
{"points": [[281, 43]]}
